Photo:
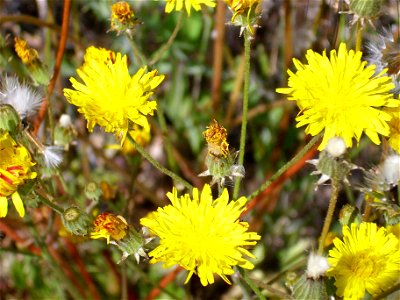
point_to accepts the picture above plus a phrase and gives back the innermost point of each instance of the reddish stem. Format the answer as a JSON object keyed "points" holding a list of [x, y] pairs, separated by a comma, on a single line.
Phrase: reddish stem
{"points": [[57, 66], [164, 283]]}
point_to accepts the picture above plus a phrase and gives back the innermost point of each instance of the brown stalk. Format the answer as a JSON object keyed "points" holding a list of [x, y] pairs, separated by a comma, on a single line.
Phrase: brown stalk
{"points": [[57, 66]]}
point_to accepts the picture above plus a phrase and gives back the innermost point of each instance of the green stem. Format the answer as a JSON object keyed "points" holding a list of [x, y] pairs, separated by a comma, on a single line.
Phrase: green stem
{"points": [[329, 214], [168, 44], [251, 284], [245, 107], [157, 165], [358, 35], [167, 141], [140, 59], [288, 165], [46, 200], [387, 292]]}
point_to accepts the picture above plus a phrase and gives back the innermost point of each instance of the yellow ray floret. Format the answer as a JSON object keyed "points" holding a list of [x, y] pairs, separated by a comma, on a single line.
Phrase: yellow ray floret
{"points": [[15, 169]]}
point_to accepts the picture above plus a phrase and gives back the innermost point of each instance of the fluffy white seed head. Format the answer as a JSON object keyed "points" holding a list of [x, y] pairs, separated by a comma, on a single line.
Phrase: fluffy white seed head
{"points": [[336, 147], [65, 121], [52, 156], [23, 98], [316, 266], [390, 169]]}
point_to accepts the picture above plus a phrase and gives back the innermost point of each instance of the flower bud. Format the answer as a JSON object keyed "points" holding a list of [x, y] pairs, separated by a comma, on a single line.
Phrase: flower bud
{"points": [[75, 220], [307, 288], [131, 244], [366, 8], [9, 119], [92, 191]]}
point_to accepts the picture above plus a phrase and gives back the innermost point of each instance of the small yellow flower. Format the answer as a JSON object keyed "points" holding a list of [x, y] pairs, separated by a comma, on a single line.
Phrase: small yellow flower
{"points": [[202, 235], [107, 225], [341, 96], [366, 260], [215, 136], [15, 169], [109, 96], [178, 5], [394, 125], [27, 54]]}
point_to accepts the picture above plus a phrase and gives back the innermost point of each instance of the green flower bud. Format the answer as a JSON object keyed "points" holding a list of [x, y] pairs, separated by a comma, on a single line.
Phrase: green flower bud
{"points": [[9, 119], [76, 221], [307, 288], [92, 191], [366, 8], [349, 214], [131, 244]]}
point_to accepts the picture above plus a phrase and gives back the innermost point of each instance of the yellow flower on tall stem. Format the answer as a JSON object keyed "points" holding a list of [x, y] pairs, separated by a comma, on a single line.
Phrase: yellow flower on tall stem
{"points": [[15, 169], [109, 96], [367, 259], [202, 235], [189, 4], [341, 96]]}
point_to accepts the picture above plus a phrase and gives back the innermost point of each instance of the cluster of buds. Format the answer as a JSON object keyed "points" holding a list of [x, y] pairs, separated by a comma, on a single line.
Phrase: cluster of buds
{"points": [[123, 18], [245, 13], [118, 232], [220, 161]]}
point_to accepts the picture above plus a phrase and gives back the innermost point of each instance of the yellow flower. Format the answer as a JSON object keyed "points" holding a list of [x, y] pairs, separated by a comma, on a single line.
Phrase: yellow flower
{"points": [[109, 96], [202, 235], [368, 259], [15, 169], [394, 125], [215, 136], [178, 5], [341, 96], [27, 54], [107, 225]]}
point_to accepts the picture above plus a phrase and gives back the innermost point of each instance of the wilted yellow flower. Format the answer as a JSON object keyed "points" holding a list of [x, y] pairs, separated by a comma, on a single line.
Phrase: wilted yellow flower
{"points": [[109, 96], [107, 225], [245, 12], [178, 5], [341, 96], [27, 54], [15, 169], [202, 235], [122, 17], [215, 136], [366, 260]]}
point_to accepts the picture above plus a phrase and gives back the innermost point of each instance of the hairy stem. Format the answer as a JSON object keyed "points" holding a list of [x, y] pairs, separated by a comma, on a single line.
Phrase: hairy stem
{"points": [[245, 107], [157, 165]]}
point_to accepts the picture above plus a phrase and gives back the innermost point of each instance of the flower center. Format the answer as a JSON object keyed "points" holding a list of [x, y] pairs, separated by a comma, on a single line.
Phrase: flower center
{"points": [[366, 265]]}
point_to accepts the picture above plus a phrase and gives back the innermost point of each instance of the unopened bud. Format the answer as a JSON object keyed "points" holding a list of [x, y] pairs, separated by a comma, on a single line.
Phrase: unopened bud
{"points": [[9, 119], [76, 221]]}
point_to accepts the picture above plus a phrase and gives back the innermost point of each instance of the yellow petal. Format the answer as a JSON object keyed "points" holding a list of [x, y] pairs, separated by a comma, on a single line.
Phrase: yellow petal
{"points": [[3, 207], [19, 205]]}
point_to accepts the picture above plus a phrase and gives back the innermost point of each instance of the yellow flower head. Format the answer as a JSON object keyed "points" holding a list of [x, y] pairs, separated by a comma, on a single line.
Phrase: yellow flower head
{"points": [[394, 125], [109, 96], [215, 136], [202, 235], [367, 259], [107, 225], [178, 5], [27, 54], [341, 96], [15, 169]]}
